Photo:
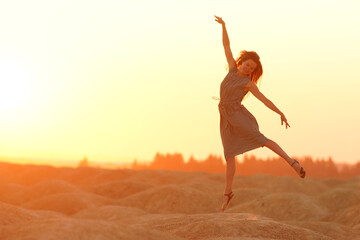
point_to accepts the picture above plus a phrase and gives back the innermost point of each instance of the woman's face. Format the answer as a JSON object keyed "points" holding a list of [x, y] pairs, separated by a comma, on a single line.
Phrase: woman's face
{"points": [[248, 67]]}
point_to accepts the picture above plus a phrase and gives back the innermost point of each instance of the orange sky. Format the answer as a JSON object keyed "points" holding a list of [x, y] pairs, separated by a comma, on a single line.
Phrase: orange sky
{"points": [[118, 80]]}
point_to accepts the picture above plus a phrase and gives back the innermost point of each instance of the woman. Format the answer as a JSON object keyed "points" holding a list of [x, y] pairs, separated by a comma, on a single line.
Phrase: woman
{"points": [[239, 129]]}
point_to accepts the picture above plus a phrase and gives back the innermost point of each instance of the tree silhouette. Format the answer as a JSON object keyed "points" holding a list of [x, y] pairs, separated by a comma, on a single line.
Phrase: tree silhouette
{"points": [[250, 165], [84, 162]]}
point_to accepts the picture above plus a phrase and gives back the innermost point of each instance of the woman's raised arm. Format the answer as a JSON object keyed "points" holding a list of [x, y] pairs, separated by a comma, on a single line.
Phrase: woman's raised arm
{"points": [[226, 42]]}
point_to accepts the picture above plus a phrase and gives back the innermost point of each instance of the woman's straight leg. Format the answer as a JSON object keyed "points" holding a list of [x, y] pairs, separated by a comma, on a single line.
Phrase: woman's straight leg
{"points": [[230, 172], [278, 150]]}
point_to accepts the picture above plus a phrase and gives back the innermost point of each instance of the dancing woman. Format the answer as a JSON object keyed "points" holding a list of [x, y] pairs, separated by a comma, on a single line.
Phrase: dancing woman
{"points": [[239, 129]]}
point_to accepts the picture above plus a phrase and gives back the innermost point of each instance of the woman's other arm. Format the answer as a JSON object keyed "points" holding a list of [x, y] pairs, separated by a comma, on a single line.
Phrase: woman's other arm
{"points": [[256, 92], [226, 42]]}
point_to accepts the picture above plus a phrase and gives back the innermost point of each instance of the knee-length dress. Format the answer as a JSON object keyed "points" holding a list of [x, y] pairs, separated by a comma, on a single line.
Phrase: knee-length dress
{"points": [[239, 129]]}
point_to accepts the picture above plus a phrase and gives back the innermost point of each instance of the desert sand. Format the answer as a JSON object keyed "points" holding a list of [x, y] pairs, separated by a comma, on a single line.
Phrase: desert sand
{"points": [[44, 202]]}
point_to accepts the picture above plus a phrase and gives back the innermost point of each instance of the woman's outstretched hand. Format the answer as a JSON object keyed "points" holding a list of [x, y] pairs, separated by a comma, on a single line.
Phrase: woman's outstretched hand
{"points": [[283, 119], [219, 20]]}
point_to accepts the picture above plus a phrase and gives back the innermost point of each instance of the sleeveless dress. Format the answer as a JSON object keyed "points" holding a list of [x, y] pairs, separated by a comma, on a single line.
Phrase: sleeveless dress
{"points": [[239, 129]]}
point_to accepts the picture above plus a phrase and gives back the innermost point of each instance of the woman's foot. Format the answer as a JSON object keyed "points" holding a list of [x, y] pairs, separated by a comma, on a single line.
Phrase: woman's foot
{"points": [[226, 200], [298, 168]]}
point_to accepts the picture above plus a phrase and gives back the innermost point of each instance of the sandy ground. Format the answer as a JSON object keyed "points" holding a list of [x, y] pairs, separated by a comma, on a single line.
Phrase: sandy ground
{"points": [[42, 202]]}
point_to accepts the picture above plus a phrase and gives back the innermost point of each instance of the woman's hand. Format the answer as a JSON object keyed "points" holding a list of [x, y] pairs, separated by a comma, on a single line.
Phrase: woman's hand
{"points": [[283, 119], [219, 20]]}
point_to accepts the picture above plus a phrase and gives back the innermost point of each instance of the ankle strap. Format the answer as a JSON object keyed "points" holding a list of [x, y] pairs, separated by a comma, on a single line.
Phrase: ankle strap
{"points": [[294, 162]]}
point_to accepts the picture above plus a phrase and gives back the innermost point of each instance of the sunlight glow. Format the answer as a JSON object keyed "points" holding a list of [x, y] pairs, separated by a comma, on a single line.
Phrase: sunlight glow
{"points": [[118, 80], [15, 85]]}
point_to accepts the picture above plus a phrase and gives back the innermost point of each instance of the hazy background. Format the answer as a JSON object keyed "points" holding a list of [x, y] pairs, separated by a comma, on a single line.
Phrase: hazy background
{"points": [[121, 80]]}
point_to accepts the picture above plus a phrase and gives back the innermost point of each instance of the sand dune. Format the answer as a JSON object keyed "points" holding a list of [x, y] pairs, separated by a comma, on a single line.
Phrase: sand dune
{"points": [[350, 216], [119, 189], [172, 199], [162, 177], [339, 198], [67, 228], [11, 214], [284, 206], [110, 213], [206, 184], [10, 192], [328, 229], [68, 203], [280, 184], [220, 225], [91, 203], [42, 189]]}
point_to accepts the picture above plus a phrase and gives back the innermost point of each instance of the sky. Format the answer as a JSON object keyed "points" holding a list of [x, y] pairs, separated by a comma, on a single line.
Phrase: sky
{"points": [[121, 80]]}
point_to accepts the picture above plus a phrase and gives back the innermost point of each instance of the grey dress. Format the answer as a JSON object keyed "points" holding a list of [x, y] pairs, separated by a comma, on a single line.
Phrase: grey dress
{"points": [[239, 129]]}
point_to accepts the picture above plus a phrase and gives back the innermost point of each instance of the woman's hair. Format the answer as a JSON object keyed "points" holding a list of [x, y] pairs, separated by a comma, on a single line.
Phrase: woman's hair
{"points": [[258, 71]]}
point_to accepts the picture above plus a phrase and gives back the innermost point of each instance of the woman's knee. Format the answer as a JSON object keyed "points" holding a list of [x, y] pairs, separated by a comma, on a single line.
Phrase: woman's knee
{"points": [[230, 160], [269, 143]]}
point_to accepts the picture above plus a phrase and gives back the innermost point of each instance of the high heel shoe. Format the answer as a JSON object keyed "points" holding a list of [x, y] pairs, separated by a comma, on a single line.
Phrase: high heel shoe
{"points": [[230, 195]]}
